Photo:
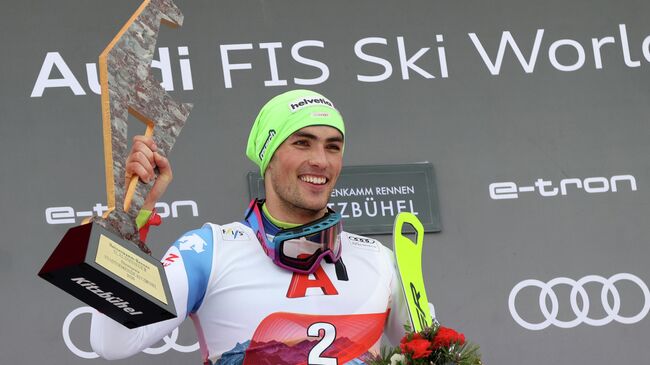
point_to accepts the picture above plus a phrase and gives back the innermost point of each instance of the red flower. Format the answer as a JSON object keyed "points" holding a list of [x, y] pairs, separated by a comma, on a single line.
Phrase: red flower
{"points": [[446, 336], [417, 345]]}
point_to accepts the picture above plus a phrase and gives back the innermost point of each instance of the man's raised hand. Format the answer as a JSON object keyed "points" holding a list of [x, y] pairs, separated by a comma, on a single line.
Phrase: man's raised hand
{"points": [[142, 162]]}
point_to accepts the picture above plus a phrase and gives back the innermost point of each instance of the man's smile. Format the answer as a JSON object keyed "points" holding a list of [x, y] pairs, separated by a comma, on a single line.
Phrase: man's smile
{"points": [[313, 179]]}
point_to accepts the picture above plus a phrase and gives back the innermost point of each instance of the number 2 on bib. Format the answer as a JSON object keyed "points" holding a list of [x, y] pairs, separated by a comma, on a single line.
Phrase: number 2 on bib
{"points": [[329, 335]]}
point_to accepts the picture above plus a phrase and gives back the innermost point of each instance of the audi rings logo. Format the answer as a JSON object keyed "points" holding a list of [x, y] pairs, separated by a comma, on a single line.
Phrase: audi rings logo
{"points": [[169, 341], [581, 313]]}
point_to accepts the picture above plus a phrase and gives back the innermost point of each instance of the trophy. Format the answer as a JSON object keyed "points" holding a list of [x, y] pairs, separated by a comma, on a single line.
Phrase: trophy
{"points": [[103, 262]]}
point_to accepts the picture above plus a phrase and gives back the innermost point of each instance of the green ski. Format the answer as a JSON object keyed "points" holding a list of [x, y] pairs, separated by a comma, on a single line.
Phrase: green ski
{"points": [[408, 255]]}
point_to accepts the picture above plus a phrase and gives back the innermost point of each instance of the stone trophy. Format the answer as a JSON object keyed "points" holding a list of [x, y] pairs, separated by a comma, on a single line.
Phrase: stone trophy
{"points": [[103, 262]]}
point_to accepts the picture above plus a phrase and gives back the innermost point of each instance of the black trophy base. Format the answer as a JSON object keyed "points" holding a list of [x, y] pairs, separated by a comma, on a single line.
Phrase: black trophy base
{"points": [[112, 276]]}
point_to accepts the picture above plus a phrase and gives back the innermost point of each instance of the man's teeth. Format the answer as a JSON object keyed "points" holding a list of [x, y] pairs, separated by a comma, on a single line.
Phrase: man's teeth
{"points": [[313, 179]]}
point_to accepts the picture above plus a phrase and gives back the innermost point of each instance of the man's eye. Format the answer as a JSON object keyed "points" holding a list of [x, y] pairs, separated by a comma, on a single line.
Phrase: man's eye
{"points": [[334, 147], [301, 142]]}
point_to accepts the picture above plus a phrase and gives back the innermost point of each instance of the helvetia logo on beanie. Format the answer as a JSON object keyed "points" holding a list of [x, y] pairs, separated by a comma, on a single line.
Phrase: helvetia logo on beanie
{"points": [[300, 103]]}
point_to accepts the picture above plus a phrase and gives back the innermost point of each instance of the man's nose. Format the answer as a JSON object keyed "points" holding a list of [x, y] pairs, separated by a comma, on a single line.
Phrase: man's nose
{"points": [[318, 157]]}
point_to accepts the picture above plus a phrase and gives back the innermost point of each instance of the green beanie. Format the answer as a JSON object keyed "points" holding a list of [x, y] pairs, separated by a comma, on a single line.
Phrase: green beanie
{"points": [[282, 116]]}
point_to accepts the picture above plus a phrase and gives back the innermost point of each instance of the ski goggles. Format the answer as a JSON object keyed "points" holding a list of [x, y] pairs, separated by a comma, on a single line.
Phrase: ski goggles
{"points": [[299, 249]]}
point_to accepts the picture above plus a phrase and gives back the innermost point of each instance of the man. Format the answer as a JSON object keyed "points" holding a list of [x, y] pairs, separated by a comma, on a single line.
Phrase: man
{"points": [[286, 285]]}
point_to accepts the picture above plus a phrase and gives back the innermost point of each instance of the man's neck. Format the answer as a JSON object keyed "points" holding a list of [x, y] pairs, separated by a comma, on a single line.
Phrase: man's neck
{"points": [[292, 215], [276, 222]]}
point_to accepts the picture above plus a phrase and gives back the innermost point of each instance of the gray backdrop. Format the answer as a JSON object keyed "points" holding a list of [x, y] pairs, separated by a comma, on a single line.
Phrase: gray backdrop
{"points": [[416, 81]]}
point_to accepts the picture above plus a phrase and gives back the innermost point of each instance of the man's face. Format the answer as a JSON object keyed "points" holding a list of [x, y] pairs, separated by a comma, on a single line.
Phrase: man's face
{"points": [[304, 170]]}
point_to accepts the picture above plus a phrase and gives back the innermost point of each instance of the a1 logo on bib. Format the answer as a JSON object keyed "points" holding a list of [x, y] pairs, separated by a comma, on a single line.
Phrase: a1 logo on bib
{"points": [[364, 243]]}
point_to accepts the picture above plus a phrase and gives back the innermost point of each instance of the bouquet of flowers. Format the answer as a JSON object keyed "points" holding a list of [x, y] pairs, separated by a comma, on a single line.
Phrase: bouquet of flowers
{"points": [[435, 345]]}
